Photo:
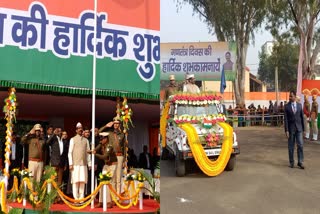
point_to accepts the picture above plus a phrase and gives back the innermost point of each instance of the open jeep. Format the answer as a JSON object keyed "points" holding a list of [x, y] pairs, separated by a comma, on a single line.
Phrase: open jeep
{"points": [[193, 126]]}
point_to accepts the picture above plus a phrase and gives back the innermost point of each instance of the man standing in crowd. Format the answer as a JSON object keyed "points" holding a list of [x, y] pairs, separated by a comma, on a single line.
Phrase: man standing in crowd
{"points": [[190, 86], [78, 161], [306, 117], [65, 163], [172, 88], [294, 127], [270, 109], [117, 140], [57, 148], [314, 118], [36, 147], [145, 159], [47, 151]]}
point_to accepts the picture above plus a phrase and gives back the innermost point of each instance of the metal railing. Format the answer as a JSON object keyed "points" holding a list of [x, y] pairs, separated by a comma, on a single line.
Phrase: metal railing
{"points": [[243, 120]]}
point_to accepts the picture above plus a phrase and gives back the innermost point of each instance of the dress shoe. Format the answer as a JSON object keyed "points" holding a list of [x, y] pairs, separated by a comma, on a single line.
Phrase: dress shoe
{"points": [[99, 205], [291, 166], [301, 165]]}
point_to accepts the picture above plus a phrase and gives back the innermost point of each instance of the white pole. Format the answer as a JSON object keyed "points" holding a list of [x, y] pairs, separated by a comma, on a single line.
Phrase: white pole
{"points": [[24, 202], [93, 97], [104, 198], [140, 200]]}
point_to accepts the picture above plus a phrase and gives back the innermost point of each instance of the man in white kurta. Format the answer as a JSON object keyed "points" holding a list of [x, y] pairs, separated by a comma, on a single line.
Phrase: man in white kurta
{"points": [[190, 86], [79, 159]]}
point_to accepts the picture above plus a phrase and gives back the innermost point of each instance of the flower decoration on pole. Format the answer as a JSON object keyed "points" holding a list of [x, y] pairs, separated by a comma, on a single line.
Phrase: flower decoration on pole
{"points": [[140, 177], [15, 172], [25, 173], [106, 176], [126, 114], [9, 109]]}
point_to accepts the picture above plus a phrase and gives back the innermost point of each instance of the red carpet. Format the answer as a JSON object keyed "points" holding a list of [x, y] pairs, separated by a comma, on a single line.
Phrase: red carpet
{"points": [[149, 206]]}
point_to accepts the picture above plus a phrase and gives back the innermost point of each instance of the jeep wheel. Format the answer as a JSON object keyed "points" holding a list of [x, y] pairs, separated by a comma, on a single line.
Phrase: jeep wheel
{"points": [[180, 167], [231, 163]]}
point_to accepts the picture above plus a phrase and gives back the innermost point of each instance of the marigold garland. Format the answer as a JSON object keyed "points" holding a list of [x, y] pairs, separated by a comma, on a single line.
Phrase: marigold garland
{"points": [[140, 185], [84, 202], [210, 168], [163, 123], [10, 115], [133, 202], [3, 199]]}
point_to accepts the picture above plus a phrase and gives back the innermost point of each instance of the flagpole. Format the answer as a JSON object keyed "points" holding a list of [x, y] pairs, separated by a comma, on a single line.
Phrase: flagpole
{"points": [[93, 97]]}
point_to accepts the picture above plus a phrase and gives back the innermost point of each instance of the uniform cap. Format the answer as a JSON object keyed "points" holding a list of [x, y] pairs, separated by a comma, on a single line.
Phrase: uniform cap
{"points": [[171, 77], [37, 127], [104, 134], [116, 119]]}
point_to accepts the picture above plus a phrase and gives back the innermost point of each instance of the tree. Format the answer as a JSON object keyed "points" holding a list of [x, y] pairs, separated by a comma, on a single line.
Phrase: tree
{"points": [[232, 21], [284, 55], [301, 17]]}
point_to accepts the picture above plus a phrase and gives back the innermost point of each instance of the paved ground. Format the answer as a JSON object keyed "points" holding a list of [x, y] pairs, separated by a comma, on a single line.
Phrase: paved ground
{"points": [[261, 183]]}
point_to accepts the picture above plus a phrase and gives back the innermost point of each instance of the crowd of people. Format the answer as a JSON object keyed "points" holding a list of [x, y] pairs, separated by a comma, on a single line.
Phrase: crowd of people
{"points": [[71, 157]]}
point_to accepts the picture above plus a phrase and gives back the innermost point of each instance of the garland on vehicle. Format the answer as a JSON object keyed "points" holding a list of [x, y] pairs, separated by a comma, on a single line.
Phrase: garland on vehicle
{"points": [[203, 98], [209, 167], [163, 123]]}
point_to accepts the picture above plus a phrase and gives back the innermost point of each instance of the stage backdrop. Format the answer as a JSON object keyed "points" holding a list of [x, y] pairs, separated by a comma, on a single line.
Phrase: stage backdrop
{"points": [[48, 45], [204, 59]]}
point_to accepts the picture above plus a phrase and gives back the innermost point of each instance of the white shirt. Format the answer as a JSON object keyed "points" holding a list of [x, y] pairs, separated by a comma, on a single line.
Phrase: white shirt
{"points": [[294, 107]]}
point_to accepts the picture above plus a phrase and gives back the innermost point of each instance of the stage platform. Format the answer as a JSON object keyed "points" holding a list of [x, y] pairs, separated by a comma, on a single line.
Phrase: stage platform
{"points": [[150, 206]]}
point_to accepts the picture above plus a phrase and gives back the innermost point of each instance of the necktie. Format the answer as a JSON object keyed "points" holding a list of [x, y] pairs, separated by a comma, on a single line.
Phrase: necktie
{"points": [[294, 108]]}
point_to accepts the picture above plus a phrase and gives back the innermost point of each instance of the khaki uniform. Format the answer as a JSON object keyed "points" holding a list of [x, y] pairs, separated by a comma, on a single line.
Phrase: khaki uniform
{"points": [[314, 121], [109, 156], [36, 147], [170, 90], [306, 118], [117, 141]]}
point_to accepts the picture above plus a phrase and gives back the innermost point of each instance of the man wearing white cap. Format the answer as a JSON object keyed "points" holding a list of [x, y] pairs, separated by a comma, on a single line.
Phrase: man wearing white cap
{"points": [[172, 88], [36, 150], [190, 86], [78, 161]]}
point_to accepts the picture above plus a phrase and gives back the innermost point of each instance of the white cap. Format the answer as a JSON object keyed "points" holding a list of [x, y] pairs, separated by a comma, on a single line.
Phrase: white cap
{"points": [[190, 76], [171, 77], [104, 134], [37, 127], [79, 125]]}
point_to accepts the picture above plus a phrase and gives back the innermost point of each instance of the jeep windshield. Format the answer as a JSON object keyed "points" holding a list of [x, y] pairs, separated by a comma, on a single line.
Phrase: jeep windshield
{"points": [[197, 110]]}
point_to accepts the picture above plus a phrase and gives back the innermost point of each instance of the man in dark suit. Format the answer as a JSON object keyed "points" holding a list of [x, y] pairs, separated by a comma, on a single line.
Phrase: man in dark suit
{"points": [[46, 148], [56, 147], [145, 159], [294, 128]]}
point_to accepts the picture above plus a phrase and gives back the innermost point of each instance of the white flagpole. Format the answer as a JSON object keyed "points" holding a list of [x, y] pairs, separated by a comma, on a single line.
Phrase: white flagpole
{"points": [[93, 97]]}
